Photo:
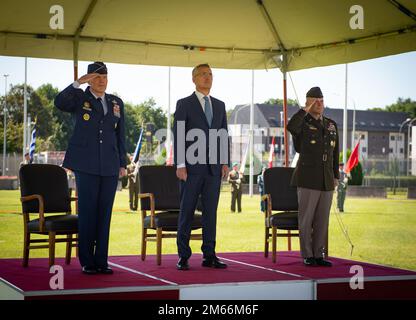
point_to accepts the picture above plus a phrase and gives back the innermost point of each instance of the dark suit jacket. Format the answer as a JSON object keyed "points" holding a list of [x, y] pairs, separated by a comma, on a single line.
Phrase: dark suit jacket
{"points": [[318, 146], [97, 145], [190, 112]]}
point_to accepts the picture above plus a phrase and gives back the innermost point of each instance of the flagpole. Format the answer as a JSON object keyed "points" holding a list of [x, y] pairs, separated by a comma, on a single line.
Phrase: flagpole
{"points": [[4, 126], [168, 136], [251, 133], [25, 134], [345, 119]]}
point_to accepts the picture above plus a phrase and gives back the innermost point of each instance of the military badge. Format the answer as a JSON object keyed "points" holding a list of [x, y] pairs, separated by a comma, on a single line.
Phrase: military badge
{"points": [[313, 141], [116, 109], [86, 116], [331, 127], [313, 128], [86, 106], [332, 143]]}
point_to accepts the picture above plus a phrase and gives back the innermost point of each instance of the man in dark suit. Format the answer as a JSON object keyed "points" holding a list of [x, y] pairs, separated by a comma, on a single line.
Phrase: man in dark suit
{"points": [[315, 138], [200, 125], [96, 154]]}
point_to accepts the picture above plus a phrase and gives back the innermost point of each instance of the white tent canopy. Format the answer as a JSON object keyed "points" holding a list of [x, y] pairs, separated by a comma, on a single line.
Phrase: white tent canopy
{"points": [[235, 34]]}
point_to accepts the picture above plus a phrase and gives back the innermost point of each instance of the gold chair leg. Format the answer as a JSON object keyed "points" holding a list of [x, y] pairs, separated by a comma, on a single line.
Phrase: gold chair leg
{"points": [[68, 249], [266, 241], [26, 244], [144, 243], [159, 245], [52, 236], [274, 236]]}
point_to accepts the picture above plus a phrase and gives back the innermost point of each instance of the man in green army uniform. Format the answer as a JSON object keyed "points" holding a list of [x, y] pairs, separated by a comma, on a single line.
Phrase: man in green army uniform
{"points": [[316, 175], [235, 179], [132, 174], [342, 188]]}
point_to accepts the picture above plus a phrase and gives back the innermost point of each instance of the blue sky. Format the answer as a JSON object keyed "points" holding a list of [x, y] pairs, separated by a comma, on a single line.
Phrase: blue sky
{"points": [[371, 83]]}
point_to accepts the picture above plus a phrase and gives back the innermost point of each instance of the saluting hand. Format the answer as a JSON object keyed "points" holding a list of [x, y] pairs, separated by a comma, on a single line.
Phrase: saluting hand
{"points": [[87, 77], [308, 108]]}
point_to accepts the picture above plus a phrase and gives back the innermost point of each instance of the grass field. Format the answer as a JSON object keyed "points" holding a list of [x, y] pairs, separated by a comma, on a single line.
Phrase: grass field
{"points": [[383, 231]]}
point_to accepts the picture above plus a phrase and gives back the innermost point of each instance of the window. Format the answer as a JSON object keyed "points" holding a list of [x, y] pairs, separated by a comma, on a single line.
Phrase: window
{"points": [[364, 149], [391, 150], [392, 138], [401, 150]]}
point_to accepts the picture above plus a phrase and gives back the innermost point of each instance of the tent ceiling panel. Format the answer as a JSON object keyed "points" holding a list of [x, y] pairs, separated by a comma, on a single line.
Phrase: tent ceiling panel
{"points": [[231, 34]]}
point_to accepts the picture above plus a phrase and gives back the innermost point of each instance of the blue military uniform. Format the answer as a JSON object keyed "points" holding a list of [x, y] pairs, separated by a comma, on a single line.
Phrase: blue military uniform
{"points": [[96, 152]]}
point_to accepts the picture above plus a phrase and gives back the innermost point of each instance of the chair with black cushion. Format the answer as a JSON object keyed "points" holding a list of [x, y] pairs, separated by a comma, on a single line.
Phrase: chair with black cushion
{"points": [[160, 195], [281, 209], [44, 190]]}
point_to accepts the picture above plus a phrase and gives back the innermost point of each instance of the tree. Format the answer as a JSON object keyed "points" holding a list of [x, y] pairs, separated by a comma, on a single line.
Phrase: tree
{"points": [[402, 105], [279, 102], [137, 116]]}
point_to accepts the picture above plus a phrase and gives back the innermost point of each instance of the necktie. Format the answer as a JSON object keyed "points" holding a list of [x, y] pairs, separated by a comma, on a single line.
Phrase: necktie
{"points": [[208, 110], [102, 104]]}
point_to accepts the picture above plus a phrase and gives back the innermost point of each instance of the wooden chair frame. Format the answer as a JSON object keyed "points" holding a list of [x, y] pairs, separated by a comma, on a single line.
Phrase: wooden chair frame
{"points": [[52, 240], [274, 235], [160, 234]]}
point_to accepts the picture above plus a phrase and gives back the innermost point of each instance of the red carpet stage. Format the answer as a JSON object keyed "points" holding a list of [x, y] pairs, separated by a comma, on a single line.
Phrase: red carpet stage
{"points": [[249, 276]]}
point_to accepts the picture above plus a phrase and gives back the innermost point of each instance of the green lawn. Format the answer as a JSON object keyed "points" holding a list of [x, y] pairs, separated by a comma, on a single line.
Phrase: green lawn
{"points": [[383, 230]]}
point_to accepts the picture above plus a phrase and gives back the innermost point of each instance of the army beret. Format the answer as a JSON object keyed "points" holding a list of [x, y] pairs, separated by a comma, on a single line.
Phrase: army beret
{"points": [[97, 67], [314, 92]]}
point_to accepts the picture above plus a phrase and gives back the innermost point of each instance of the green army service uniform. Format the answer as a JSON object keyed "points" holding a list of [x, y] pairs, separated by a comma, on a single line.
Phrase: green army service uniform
{"points": [[342, 190], [132, 175], [235, 179], [317, 143]]}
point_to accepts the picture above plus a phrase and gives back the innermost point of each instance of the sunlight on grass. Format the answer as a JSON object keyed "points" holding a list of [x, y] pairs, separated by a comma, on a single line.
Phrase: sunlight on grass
{"points": [[383, 231]]}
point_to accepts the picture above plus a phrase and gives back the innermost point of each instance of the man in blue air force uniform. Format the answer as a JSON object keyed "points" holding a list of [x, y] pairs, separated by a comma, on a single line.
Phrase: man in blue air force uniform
{"points": [[96, 155]]}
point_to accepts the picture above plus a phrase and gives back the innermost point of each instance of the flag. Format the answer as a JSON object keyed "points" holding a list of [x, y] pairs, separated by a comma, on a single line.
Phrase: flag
{"points": [[353, 159], [169, 158], [138, 147], [32, 144], [271, 154]]}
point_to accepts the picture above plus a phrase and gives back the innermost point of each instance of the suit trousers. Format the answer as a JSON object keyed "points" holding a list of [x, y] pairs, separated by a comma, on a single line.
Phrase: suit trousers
{"points": [[314, 208], [207, 187], [95, 203]]}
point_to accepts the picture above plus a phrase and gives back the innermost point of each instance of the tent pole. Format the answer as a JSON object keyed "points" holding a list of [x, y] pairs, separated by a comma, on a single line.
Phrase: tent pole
{"points": [[25, 134], [76, 43], [286, 163]]}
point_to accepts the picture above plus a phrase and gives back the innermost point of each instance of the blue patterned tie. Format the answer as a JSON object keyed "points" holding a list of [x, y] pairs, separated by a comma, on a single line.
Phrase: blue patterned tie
{"points": [[208, 110]]}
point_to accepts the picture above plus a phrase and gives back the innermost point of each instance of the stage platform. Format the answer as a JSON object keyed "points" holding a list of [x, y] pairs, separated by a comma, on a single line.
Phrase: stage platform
{"points": [[249, 276]]}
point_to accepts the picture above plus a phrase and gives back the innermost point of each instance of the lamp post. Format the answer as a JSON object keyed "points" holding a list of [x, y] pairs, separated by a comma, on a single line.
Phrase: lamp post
{"points": [[4, 126], [396, 155], [408, 145]]}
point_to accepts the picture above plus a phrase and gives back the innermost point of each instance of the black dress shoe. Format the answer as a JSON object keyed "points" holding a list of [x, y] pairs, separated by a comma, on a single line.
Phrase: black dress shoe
{"points": [[213, 262], [89, 270], [105, 270], [182, 264], [323, 262], [309, 262]]}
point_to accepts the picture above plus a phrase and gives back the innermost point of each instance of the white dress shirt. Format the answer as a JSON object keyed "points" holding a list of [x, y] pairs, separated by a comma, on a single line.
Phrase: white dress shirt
{"points": [[76, 85]]}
